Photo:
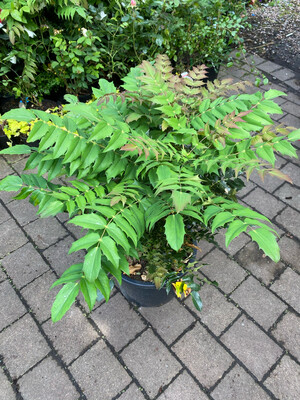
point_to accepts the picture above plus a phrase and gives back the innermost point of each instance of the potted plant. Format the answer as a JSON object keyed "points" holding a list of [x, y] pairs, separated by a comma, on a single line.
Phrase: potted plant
{"points": [[159, 160]]}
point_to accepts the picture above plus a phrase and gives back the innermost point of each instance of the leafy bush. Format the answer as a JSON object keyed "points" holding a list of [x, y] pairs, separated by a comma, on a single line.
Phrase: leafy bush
{"points": [[165, 152], [71, 43]]}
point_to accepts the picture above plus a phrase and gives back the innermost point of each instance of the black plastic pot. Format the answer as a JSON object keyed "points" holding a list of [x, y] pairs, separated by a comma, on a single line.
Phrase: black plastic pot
{"points": [[144, 294]]}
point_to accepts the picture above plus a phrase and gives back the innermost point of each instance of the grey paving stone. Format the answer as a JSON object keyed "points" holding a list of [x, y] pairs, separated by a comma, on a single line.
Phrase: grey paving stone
{"points": [[6, 391], [47, 381], [71, 335], [12, 158], [39, 296], [284, 381], [269, 66], [258, 302], [246, 189], [254, 59], [290, 120], [77, 231], [202, 355], [45, 232], [236, 71], [151, 362], [294, 83], [264, 203], [270, 183], [2, 275], [24, 264], [287, 332], [11, 307], [58, 256], [289, 194], [238, 385], [235, 245], [163, 319], [5, 168], [288, 288], [22, 346], [4, 216], [290, 252], [98, 371], [291, 108], [20, 165], [11, 237], [283, 74], [23, 211], [205, 248], [217, 312], [132, 393], [254, 260], [294, 172], [220, 268], [6, 197], [183, 387], [294, 98], [290, 220], [253, 347], [272, 85], [117, 321]]}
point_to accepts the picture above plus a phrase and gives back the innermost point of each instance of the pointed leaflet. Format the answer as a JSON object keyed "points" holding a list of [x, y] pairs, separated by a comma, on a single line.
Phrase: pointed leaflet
{"points": [[89, 292], [109, 249], [221, 219], [11, 183], [210, 212], [267, 242], [295, 135], [63, 301], [92, 264], [118, 235], [235, 228], [180, 200], [72, 274], [19, 114], [85, 242], [89, 221], [103, 284], [17, 149], [174, 230]]}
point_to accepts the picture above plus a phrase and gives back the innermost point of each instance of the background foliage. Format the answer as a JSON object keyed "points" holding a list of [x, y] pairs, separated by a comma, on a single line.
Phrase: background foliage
{"points": [[47, 45]]}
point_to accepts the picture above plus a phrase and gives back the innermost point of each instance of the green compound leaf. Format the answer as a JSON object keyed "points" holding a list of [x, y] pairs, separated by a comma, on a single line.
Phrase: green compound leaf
{"points": [[267, 242], [63, 301], [174, 230]]}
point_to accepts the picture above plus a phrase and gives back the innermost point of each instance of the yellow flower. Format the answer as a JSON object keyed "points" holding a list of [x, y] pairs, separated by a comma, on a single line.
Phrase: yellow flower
{"points": [[181, 287]]}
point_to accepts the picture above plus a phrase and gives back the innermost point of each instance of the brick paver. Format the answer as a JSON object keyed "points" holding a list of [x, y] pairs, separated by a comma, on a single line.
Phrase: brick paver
{"points": [[117, 321], [259, 302], [22, 346], [151, 362], [47, 381], [284, 381], [253, 347], [288, 288], [71, 335], [24, 264], [287, 332], [209, 360], [162, 319], [238, 385], [243, 345], [98, 371]]}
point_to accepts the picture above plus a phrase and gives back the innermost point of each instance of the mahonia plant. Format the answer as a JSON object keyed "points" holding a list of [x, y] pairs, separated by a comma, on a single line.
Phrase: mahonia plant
{"points": [[165, 150]]}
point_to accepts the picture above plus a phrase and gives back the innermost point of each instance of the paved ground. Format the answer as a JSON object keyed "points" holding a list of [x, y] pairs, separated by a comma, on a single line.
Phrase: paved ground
{"points": [[244, 345]]}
